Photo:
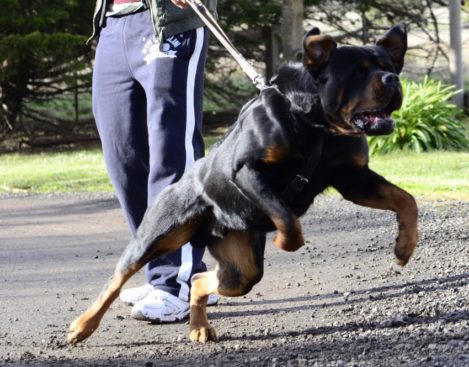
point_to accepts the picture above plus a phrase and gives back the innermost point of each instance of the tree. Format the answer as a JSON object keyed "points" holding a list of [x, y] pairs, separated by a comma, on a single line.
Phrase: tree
{"points": [[292, 27], [250, 26], [42, 54], [456, 61], [364, 21]]}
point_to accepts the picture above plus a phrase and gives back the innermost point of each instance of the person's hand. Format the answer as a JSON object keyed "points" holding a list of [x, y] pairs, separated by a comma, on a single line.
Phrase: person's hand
{"points": [[180, 3]]}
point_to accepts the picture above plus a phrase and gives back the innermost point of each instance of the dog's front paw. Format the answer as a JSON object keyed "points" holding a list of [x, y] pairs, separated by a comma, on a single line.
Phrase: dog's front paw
{"points": [[405, 245], [81, 328], [289, 242], [203, 334], [289, 237]]}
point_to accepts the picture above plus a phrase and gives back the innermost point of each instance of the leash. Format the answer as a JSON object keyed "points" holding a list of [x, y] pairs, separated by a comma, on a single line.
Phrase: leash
{"points": [[200, 9]]}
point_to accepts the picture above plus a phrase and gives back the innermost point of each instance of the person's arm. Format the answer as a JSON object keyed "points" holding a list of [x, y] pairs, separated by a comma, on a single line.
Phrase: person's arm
{"points": [[180, 3]]}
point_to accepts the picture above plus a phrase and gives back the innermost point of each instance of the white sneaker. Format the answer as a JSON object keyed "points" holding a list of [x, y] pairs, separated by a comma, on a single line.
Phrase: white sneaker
{"points": [[212, 300], [133, 295], [160, 306]]}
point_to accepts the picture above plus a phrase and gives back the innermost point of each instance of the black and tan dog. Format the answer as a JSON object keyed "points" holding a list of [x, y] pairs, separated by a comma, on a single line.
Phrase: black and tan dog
{"points": [[298, 137]]}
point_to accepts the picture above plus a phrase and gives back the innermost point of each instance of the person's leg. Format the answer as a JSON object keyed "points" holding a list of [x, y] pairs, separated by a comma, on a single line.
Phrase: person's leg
{"points": [[173, 84], [119, 109], [174, 95]]}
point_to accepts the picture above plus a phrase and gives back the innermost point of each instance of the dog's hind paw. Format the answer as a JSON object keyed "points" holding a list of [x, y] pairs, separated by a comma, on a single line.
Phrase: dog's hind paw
{"points": [[396, 267], [203, 335], [80, 329]]}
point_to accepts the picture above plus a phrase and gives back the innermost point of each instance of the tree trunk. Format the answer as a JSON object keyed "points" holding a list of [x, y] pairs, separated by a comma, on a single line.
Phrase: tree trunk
{"points": [[456, 61], [292, 28], [272, 50]]}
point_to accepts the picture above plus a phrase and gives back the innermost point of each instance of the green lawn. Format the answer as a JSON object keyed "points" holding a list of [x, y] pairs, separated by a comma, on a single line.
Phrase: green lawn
{"points": [[77, 171], [432, 175]]}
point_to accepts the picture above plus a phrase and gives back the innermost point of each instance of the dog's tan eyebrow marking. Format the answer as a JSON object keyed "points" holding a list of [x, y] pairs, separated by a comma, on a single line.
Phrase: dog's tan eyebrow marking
{"points": [[340, 94], [365, 64]]}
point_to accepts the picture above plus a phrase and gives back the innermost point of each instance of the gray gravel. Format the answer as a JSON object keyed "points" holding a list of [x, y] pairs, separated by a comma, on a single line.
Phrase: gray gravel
{"points": [[336, 302]]}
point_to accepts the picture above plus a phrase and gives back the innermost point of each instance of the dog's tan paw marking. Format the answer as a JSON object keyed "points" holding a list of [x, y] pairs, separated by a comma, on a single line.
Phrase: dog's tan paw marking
{"points": [[203, 335], [80, 329], [288, 243], [404, 248]]}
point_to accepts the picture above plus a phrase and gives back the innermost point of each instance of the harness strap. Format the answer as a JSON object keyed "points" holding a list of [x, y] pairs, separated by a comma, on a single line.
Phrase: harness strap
{"points": [[302, 178], [212, 24]]}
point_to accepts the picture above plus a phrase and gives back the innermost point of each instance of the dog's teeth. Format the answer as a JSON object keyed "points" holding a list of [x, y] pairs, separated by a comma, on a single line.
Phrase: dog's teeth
{"points": [[359, 123]]}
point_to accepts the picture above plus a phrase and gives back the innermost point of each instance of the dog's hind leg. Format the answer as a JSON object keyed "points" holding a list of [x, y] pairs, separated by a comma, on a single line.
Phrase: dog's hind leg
{"points": [[131, 261], [83, 326], [163, 230], [240, 257]]}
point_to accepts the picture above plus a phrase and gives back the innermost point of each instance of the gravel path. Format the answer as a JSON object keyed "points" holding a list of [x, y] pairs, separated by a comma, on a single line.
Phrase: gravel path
{"points": [[335, 302]]}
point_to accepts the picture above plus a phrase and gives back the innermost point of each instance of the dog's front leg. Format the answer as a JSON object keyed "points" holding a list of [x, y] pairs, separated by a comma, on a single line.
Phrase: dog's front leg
{"points": [[289, 234], [365, 187]]}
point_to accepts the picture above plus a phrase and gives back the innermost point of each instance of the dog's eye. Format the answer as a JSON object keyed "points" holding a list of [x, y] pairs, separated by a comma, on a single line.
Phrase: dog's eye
{"points": [[360, 71]]}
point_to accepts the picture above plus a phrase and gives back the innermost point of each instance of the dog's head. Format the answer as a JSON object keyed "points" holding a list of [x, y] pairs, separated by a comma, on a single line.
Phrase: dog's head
{"points": [[358, 86]]}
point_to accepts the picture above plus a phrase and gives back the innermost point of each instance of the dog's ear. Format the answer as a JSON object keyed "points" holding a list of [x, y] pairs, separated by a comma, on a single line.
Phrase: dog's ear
{"points": [[395, 44], [317, 49]]}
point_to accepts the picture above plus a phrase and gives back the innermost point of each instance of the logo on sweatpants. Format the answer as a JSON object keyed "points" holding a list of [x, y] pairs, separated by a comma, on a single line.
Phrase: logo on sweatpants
{"points": [[151, 49]]}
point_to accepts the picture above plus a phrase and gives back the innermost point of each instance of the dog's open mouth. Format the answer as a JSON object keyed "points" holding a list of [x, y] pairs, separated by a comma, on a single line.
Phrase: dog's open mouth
{"points": [[377, 122]]}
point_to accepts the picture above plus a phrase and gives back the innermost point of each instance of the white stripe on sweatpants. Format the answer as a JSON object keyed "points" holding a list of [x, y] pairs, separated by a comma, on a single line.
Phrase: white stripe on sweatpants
{"points": [[186, 251]]}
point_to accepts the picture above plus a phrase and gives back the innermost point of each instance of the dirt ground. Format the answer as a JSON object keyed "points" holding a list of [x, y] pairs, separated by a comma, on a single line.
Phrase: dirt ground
{"points": [[333, 303]]}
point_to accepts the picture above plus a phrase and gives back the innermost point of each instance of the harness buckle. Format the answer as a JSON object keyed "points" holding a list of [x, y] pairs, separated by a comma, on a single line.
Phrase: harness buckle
{"points": [[299, 182]]}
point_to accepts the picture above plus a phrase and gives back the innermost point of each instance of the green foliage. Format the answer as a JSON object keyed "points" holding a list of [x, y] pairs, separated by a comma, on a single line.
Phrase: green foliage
{"points": [[247, 24], [242, 13], [426, 121], [41, 53], [245, 21]]}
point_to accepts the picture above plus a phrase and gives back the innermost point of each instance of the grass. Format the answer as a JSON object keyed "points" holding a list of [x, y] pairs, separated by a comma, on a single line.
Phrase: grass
{"points": [[432, 175], [75, 171]]}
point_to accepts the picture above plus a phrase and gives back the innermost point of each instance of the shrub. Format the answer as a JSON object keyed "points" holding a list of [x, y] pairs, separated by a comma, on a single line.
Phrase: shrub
{"points": [[426, 121]]}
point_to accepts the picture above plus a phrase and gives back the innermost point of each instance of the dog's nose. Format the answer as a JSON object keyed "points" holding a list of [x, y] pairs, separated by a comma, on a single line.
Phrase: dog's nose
{"points": [[390, 78]]}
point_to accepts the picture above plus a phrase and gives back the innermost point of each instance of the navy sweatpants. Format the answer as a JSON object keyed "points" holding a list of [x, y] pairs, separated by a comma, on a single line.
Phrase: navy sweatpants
{"points": [[147, 103]]}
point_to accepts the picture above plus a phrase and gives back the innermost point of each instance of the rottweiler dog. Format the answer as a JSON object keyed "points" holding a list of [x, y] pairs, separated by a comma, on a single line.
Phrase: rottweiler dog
{"points": [[304, 133]]}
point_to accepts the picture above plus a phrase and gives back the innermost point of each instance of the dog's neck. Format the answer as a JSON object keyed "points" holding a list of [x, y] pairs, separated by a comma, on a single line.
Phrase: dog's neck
{"points": [[307, 108], [298, 86]]}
